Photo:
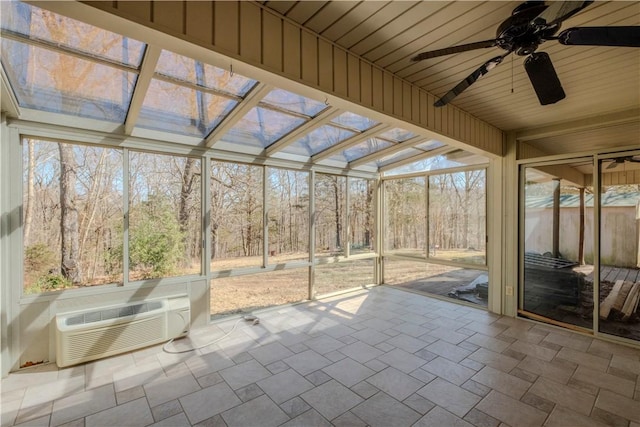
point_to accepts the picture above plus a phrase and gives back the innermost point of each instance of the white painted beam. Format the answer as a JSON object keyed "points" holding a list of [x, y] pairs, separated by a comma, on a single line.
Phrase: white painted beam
{"points": [[411, 142], [147, 68], [321, 119], [350, 142]]}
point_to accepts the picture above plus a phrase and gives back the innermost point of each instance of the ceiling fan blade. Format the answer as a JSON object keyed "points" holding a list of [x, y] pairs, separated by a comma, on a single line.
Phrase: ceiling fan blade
{"points": [[472, 78], [558, 11], [454, 49], [601, 36], [612, 165], [544, 78]]}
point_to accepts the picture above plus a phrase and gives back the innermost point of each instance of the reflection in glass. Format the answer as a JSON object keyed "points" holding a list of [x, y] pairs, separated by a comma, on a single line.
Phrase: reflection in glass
{"points": [[294, 103], [405, 216], [319, 139], [205, 75], [369, 146], [354, 121], [236, 216], [182, 110], [457, 216], [463, 284], [398, 156], [557, 243], [397, 135], [57, 30], [261, 127], [620, 247], [51, 81]]}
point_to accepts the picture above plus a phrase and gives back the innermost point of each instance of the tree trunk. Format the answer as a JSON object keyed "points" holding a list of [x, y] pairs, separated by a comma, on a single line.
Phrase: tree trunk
{"points": [[188, 175], [69, 233], [336, 195], [28, 209]]}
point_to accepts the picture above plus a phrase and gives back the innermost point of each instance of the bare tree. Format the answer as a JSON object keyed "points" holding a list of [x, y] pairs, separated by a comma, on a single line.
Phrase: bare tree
{"points": [[69, 265]]}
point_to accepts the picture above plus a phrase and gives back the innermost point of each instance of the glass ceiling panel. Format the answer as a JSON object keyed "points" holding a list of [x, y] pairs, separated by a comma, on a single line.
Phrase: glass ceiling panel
{"points": [[400, 155], [397, 135], [369, 146], [354, 121], [190, 70], [295, 103], [446, 161], [261, 127], [39, 24], [432, 144], [46, 80], [318, 140], [182, 110]]}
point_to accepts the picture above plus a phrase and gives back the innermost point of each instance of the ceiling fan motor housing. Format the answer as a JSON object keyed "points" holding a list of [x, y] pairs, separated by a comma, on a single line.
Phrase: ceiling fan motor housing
{"points": [[517, 34]]}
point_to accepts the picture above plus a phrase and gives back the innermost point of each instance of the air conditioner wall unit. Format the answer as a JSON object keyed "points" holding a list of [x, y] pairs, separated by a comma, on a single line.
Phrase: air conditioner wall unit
{"points": [[82, 336]]}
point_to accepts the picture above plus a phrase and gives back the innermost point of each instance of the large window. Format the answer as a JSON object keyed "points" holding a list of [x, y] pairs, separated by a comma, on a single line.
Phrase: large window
{"points": [[439, 219], [74, 223], [361, 217], [405, 216], [457, 218], [288, 214], [165, 236], [330, 215], [73, 229], [236, 215]]}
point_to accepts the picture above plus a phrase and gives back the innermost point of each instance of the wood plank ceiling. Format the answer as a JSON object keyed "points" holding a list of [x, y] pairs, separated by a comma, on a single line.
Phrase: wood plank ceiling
{"points": [[597, 80]]}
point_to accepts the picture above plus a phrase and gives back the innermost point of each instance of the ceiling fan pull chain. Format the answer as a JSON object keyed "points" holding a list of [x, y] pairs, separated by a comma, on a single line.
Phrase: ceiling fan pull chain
{"points": [[512, 74]]}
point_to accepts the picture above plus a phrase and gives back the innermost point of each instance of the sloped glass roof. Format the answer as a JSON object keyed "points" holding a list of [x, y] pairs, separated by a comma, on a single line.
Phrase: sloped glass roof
{"points": [[207, 76], [318, 140], [39, 25], [179, 109], [59, 65], [260, 127]]}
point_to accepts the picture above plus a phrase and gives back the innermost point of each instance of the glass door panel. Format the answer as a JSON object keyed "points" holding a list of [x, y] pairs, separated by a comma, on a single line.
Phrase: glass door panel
{"points": [[557, 243], [619, 246]]}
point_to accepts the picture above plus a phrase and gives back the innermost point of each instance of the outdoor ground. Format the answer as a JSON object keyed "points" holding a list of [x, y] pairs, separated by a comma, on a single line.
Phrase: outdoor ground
{"points": [[244, 294]]}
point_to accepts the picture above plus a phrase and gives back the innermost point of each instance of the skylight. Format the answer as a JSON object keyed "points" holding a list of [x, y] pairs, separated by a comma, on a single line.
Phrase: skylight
{"points": [[59, 65]]}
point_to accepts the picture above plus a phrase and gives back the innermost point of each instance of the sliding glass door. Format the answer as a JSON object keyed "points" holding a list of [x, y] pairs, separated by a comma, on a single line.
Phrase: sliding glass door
{"points": [[620, 246], [557, 243]]}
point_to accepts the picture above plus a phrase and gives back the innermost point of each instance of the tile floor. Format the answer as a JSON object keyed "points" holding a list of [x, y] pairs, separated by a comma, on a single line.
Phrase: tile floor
{"points": [[382, 357]]}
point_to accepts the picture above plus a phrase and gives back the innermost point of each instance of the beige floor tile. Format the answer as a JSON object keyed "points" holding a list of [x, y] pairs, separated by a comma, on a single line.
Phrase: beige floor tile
{"points": [[511, 411], [533, 350], [450, 371], [619, 405], [584, 359], [382, 410], [556, 371], [134, 413], [490, 343], [564, 395], [260, 411], [82, 404], [568, 339], [502, 382], [208, 402], [606, 381], [563, 417], [493, 359], [449, 396]]}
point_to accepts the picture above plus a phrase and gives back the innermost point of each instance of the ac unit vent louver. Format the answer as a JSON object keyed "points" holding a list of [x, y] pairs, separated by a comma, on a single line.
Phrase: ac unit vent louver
{"points": [[98, 315], [93, 334]]}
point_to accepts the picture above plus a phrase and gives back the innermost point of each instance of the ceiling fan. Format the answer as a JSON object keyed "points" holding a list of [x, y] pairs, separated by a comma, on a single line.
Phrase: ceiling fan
{"points": [[621, 160], [531, 24]]}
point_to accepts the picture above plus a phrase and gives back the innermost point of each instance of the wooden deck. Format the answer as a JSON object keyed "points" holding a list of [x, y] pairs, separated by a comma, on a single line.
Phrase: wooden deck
{"points": [[609, 273]]}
